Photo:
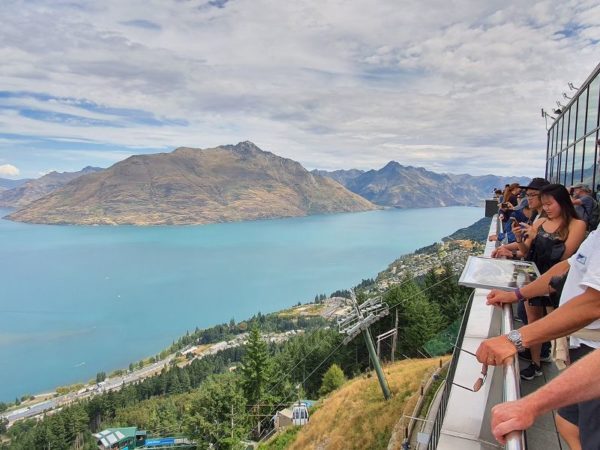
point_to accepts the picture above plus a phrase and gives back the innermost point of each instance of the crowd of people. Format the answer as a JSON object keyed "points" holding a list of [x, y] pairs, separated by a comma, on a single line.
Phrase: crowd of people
{"points": [[555, 228]]}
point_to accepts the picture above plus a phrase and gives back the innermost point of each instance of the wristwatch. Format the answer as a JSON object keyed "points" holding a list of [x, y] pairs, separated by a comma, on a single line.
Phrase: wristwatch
{"points": [[514, 336]]}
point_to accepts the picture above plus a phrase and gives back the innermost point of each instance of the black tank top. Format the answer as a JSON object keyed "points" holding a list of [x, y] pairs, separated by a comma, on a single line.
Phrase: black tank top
{"points": [[546, 249]]}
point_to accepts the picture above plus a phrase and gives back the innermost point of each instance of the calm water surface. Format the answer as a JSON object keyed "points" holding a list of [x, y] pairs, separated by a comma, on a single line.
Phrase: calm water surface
{"points": [[78, 300]]}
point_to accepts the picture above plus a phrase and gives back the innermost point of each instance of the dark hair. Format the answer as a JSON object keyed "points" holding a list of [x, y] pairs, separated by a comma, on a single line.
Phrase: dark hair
{"points": [[567, 211]]}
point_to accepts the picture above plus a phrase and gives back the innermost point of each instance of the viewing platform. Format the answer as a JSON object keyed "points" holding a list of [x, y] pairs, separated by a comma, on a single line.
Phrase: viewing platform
{"points": [[461, 420]]}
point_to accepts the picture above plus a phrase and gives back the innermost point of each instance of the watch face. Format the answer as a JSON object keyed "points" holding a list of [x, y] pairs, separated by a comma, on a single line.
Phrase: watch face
{"points": [[514, 335]]}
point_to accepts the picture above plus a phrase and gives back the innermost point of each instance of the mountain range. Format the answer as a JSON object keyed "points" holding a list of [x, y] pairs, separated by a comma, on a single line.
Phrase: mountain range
{"points": [[23, 192], [6, 183], [193, 186], [232, 183], [401, 186]]}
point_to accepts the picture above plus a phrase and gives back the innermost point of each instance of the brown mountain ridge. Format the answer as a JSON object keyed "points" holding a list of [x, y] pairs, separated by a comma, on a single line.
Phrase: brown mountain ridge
{"points": [[194, 186]]}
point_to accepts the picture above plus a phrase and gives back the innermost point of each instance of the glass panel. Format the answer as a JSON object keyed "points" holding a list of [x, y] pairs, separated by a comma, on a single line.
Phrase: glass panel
{"points": [[568, 167], [556, 139], [551, 135], [555, 169], [592, 115], [561, 172], [590, 157], [578, 154], [581, 114], [571, 126]]}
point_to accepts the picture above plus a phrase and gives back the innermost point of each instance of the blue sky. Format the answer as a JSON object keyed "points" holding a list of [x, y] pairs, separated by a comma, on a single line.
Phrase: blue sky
{"points": [[450, 86]]}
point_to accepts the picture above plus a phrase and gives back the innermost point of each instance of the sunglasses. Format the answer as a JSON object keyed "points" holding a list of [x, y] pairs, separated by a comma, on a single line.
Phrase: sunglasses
{"points": [[480, 381]]}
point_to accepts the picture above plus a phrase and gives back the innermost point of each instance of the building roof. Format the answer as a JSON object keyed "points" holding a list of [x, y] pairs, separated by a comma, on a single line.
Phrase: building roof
{"points": [[110, 436]]}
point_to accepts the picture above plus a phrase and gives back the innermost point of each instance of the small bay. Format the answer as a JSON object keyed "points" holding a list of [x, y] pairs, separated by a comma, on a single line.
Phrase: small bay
{"points": [[78, 300]]}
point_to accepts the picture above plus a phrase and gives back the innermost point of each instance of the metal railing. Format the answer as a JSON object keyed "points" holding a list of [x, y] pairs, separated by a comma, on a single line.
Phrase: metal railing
{"points": [[441, 412], [511, 377], [511, 386]]}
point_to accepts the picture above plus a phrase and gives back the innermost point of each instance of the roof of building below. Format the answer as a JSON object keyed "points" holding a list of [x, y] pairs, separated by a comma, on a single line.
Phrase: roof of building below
{"points": [[111, 436]]}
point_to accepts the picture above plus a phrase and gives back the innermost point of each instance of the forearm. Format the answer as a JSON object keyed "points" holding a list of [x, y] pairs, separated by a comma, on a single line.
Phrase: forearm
{"points": [[572, 316], [578, 383], [541, 286]]}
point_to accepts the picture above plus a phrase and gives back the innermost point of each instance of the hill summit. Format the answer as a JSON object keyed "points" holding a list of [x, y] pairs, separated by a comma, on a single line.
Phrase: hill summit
{"points": [[193, 186]]}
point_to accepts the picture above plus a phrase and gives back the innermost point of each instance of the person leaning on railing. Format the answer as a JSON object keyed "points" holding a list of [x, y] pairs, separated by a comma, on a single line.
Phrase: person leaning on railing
{"points": [[577, 316], [552, 238], [532, 193], [564, 390]]}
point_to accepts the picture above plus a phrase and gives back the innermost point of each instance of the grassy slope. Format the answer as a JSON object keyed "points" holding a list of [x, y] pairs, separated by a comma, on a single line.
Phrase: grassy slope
{"points": [[357, 417]]}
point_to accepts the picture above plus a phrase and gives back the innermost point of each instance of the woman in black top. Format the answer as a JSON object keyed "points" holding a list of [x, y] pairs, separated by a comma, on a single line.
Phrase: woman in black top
{"points": [[553, 237]]}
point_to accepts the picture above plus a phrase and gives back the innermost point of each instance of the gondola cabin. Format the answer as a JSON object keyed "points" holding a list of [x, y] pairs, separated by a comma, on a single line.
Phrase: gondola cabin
{"points": [[300, 415]]}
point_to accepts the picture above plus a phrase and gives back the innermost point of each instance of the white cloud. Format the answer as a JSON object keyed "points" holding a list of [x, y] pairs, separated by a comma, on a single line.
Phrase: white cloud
{"points": [[332, 84], [8, 170]]}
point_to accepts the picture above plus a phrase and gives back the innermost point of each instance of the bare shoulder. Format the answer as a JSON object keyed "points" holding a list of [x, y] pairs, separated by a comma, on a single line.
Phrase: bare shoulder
{"points": [[577, 225]]}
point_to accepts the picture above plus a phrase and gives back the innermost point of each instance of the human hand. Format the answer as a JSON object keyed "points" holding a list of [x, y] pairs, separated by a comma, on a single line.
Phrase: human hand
{"points": [[501, 252], [497, 297], [495, 351], [512, 416], [525, 229], [516, 228]]}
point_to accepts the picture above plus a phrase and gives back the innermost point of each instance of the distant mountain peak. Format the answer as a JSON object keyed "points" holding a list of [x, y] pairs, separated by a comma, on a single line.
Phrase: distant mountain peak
{"points": [[244, 147], [392, 165]]}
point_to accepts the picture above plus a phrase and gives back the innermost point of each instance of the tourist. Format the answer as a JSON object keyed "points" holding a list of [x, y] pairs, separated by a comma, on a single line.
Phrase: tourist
{"points": [[583, 201], [579, 383], [550, 239], [522, 213], [579, 307], [511, 250], [498, 195]]}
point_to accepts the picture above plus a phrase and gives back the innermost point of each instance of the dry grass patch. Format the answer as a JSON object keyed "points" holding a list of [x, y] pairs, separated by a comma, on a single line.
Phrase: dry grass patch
{"points": [[303, 310], [201, 349], [357, 417]]}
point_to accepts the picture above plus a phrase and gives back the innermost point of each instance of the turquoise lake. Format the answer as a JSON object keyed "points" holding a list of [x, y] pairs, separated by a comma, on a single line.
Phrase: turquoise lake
{"points": [[78, 300]]}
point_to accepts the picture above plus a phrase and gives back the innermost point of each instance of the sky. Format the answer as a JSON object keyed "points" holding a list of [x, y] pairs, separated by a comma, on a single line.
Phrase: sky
{"points": [[452, 86]]}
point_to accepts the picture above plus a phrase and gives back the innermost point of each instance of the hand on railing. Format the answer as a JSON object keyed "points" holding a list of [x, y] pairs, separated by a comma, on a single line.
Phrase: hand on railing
{"points": [[511, 417], [496, 351], [502, 252], [497, 297]]}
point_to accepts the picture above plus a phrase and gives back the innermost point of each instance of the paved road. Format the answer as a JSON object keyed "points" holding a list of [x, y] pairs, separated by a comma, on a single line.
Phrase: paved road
{"points": [[110, 384]]}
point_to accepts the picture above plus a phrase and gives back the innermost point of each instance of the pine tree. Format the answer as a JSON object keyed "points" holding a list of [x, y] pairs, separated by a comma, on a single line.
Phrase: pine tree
{"points": [[419, 319], [333, 379], [255, 367]]}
